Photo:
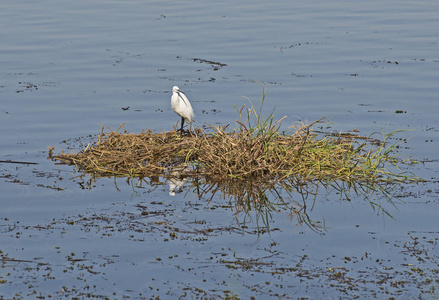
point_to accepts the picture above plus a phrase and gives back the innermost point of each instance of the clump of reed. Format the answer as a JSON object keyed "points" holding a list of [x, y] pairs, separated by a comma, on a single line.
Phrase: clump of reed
{"points": [[256, 149], [258, 166]]}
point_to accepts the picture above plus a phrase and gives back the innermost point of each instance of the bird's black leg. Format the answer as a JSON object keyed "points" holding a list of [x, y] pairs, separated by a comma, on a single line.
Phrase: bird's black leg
{"points": [[182, 124]]}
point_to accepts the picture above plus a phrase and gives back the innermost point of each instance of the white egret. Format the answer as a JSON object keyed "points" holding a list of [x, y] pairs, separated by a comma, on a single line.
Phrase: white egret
{"points": [[176, 180], [181, 105]]}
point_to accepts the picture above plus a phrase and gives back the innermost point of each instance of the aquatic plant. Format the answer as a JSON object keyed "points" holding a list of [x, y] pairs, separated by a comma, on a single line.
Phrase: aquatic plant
{"points": [[252, 161]]}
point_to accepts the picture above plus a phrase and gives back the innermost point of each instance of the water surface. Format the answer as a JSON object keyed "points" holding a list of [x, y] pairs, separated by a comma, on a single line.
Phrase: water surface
{"points": [[67, 68]]}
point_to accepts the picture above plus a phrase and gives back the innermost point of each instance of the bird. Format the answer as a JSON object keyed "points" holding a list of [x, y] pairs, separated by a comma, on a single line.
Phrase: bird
{"points": [[182, 107]]}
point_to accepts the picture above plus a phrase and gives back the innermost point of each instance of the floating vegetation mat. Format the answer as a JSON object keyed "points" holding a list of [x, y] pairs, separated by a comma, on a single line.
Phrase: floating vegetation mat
{"points": [[250, 153], [248, 163]]}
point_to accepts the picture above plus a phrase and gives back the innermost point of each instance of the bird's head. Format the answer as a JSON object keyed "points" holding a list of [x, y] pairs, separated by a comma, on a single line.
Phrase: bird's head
{"points": [[175, 89]]}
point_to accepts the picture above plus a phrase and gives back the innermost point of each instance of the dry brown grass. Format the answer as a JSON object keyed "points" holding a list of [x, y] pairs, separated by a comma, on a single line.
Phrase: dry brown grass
{"points": [[256, 150], [252, 164], [221, 155], [255, 169]]}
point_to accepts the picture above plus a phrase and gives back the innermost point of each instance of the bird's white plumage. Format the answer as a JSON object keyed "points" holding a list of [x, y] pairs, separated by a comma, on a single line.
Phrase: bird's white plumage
{"points": [[181, 105]]}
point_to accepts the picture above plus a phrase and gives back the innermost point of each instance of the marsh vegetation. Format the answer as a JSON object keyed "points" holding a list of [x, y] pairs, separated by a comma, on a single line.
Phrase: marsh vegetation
{"points": [[257, 165]]}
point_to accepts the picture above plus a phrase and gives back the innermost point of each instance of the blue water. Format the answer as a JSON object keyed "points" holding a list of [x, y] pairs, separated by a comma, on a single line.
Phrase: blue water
{"points": [[67, 68]]}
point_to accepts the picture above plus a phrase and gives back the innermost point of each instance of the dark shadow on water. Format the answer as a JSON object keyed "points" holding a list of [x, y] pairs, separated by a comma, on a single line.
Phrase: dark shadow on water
{"points": [[255, 202]]}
